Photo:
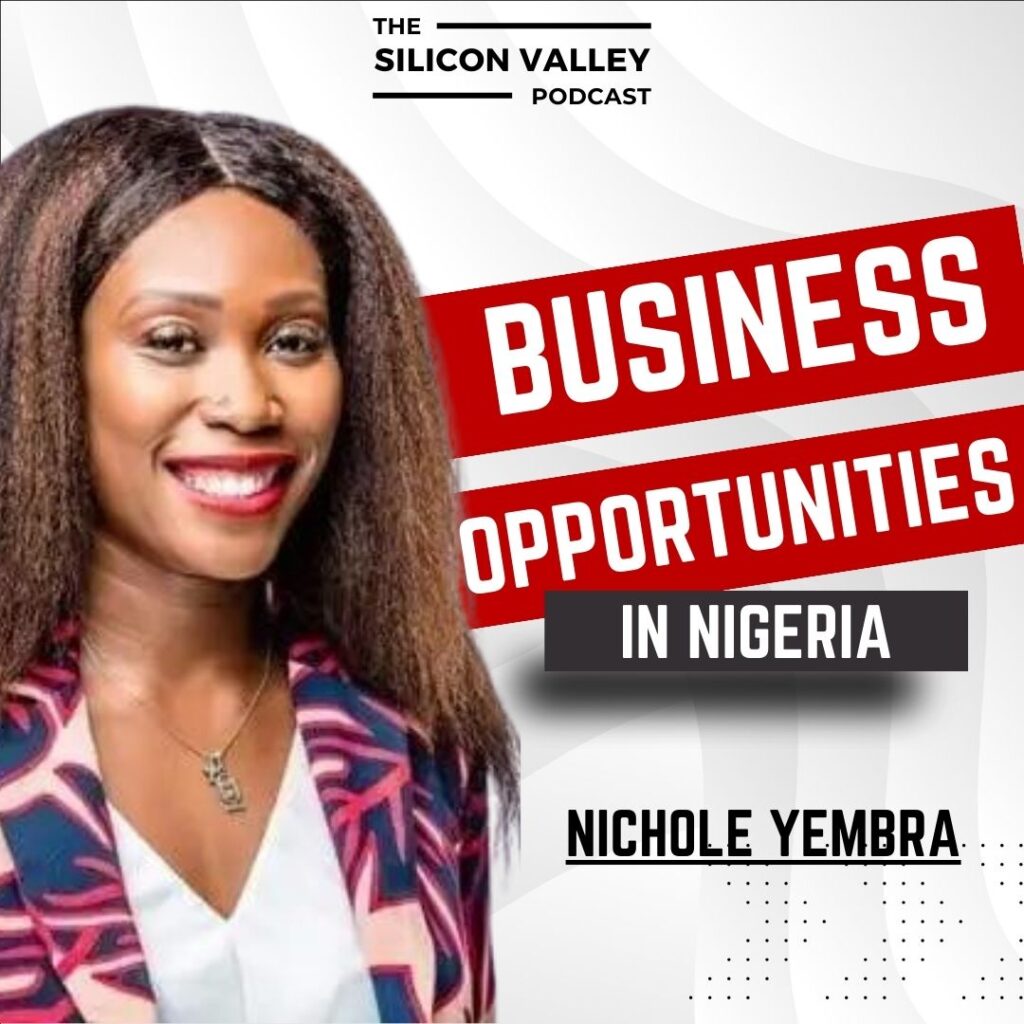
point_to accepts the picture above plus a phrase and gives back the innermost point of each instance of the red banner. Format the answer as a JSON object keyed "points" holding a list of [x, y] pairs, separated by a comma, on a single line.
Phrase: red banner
{"points": [[748, 516], [740, 330]]}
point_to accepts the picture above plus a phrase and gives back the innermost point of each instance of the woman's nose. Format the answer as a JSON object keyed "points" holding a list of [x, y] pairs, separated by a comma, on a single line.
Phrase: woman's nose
{"points": [[240, 394]]}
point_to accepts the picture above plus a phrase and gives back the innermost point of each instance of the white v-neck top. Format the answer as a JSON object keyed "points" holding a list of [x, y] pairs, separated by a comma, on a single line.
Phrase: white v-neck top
{"points": [[288, 952]]}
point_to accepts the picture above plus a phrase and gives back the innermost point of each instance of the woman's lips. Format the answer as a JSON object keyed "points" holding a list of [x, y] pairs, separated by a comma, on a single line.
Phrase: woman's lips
{"points": [[237, 485]]}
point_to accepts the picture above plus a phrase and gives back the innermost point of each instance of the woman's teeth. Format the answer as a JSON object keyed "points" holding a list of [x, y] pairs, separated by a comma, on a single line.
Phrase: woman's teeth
{"points": [[226, 484]]}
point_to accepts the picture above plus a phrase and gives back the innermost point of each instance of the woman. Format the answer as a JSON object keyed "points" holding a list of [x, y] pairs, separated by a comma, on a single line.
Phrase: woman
{"points": [[246, 735]]}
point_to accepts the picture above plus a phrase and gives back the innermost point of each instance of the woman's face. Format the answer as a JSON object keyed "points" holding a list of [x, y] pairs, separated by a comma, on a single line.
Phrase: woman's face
{"points": [[213, 392]]}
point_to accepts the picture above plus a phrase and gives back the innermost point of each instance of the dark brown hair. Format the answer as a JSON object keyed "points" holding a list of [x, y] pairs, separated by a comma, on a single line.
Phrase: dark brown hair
{"points": [[373, 557]]}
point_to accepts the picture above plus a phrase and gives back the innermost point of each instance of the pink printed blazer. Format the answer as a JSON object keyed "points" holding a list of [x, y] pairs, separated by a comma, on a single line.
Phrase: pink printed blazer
{"points": [[410, 830]]}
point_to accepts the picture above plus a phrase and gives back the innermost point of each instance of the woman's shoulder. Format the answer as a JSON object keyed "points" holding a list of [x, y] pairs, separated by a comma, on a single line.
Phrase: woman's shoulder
{"points": [[319, 673], [437, 764]]}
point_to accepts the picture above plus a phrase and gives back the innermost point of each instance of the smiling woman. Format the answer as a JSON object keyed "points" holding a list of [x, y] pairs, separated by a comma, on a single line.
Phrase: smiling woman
{"points": [[246, 736], [212, 384]]}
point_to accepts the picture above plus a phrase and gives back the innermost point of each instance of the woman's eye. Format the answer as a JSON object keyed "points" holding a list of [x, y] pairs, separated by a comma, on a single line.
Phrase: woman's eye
{"points": [[300, 342], [172, 340]]}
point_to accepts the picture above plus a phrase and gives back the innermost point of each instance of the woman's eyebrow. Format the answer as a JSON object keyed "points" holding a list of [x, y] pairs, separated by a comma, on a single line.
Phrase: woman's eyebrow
{"points": [[273, 305], [187, 298], [286, 299]]}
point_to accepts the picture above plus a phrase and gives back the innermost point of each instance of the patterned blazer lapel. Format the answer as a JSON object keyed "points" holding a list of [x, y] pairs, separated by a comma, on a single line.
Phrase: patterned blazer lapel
{"points": [[57, 839], [358, 751], [57, 829]]}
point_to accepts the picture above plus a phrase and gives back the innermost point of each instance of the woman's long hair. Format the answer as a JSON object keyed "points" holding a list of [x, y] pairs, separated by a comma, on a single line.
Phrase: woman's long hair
{"points": [[372, 559]]}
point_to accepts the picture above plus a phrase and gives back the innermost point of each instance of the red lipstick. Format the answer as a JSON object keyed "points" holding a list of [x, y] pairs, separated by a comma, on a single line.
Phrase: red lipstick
{"points": [[237, 483], [238, 461]]}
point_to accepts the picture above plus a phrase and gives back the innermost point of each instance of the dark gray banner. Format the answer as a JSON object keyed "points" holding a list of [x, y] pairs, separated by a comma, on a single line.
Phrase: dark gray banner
{"points": [[807, 630]]}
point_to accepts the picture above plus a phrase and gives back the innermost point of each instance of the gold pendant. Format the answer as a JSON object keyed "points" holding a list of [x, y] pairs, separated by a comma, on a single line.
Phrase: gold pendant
{"points": [[229, 793]]}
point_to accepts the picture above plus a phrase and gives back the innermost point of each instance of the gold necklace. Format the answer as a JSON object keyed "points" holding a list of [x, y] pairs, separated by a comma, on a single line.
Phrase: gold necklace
{"points": [[215, 770]]}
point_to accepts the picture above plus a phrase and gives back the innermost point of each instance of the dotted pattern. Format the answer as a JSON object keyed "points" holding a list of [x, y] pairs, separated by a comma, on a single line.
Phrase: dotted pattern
{"points": [[922, 920]]}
